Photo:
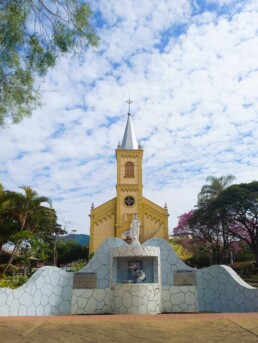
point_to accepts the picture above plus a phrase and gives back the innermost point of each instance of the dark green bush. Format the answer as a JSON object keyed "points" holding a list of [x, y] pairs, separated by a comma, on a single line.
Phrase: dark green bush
{"points": [[245, 268]]}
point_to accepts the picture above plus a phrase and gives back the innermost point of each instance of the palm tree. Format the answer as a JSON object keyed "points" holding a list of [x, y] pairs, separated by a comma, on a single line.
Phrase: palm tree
{"points": [[21, 207], [207, 194], [212, 190], [7, 226]]}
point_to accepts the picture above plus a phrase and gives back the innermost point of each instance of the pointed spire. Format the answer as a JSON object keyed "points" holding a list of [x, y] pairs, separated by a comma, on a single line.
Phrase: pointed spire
{"points": [[129, 141]]}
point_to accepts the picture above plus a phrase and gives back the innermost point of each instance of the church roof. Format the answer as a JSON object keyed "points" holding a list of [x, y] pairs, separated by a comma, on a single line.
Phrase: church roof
{"points": [[129, 141]]}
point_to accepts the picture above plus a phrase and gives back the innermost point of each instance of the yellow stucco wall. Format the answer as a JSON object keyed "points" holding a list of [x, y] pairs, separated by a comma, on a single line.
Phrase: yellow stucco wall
{"points": [[155, 220], [128, 186], [113, 218], [102, 224]]}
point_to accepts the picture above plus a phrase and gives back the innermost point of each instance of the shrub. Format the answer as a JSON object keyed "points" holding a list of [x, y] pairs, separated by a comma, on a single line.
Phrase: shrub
{"points": [[12, 269], [245, 268], [12, 281]]}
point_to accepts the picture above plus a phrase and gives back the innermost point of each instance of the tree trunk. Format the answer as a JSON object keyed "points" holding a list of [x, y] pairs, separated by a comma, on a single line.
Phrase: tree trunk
{"points": [[55, 255], [15, 249], [18, 243], [256, 256]]}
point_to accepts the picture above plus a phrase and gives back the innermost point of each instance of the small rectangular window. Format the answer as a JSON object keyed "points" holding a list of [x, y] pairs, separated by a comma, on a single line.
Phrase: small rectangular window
{"points": [[129, 169]]}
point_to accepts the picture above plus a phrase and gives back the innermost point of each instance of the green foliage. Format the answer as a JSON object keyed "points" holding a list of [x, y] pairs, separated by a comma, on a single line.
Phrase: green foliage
{"points": [[12, 269], [24, 218], [214, 188], [210, 239], [70, 251], [75, 266], [12, 281], [240, 205], [40, 249], [180, 250], [201, 259], [224, 216], [246, 253], [192, 252], [245, 268], [33, 35]]}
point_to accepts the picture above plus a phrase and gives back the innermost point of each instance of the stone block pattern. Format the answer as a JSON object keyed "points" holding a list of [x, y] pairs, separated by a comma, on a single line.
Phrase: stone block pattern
{"points": [[220, 289], [122, 298], [47, 292], [169, 261], [91, 301], [179, 299], [135, 299], [101, 261]]}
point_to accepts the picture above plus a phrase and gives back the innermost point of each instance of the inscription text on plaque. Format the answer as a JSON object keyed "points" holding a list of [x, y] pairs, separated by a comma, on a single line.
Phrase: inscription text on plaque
{"points": [[84, 280]]}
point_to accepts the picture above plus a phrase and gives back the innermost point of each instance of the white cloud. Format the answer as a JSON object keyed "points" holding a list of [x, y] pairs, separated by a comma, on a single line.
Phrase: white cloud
{"points": [[195, 108]]}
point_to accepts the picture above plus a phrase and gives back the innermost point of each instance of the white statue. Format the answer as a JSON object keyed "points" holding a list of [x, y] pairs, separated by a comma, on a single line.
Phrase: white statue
{"points": [[140, 275], [135, 230]]}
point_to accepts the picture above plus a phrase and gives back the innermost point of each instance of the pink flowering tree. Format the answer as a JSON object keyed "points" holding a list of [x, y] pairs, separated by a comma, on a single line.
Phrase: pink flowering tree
{"points": [[192, 237], [222, 220], [203, 231], [183, 226], [239, 204]]}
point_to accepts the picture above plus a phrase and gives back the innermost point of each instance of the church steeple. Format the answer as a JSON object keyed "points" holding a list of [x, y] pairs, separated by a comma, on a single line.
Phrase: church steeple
{"points": [[114, 217], [129, 141]]}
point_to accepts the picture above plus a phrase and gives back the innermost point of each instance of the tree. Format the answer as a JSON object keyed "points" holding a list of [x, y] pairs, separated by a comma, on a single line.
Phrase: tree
{"points": [[70, 251], [217, 222], [7, 225], [21, 207], [33, 35], [202, 234], [212, 190], [240, 202], [43, 223], [209, 228]]}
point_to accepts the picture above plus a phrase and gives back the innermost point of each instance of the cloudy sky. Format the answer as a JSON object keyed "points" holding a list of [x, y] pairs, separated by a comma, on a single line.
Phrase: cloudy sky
{"points": [[191, 69]]}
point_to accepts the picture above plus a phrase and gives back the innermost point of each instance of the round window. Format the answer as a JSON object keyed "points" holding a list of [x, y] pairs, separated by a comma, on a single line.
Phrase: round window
{"points": [[129, 201]]}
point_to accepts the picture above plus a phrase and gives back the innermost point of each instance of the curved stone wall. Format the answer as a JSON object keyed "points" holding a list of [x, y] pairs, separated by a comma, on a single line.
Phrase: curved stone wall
{"points": [[100, 262], [50, 290], [169, 261], [220, 289], [179, 299], [91, 301]]}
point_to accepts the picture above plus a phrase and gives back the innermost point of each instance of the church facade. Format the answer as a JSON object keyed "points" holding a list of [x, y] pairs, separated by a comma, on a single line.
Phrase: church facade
{"points": [[113, 218]]}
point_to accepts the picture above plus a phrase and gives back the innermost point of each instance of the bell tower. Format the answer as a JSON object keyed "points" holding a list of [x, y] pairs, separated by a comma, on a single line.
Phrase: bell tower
{"points": [[129, 179], [113, 217]]}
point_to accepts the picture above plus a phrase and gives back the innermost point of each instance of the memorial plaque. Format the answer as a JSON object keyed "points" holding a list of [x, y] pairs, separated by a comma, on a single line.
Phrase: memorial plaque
{"points": [[84, 280], [185, 278]]}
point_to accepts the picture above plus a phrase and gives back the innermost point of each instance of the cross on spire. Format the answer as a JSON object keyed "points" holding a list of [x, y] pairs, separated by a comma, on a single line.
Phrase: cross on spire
{"points": [[129, 101]]}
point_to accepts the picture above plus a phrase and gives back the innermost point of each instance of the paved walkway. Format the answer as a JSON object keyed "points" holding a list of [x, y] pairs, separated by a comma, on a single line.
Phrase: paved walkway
{"points": [[170, 328]]}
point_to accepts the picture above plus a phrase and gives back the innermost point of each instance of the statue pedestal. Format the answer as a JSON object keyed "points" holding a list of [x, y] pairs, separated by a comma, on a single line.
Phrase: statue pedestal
{"points": [[135, 298], [128, 294]]}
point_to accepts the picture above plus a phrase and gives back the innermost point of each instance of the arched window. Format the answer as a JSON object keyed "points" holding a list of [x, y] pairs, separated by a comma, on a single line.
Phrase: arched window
{"points": [[129, 169]]}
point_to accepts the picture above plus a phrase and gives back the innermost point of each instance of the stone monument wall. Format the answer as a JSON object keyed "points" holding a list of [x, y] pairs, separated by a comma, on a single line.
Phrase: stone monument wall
{"points": [[177, 288]]}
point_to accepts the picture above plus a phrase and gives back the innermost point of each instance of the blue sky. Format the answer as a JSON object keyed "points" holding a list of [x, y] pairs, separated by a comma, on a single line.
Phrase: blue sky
{"points": [[190, 67]]}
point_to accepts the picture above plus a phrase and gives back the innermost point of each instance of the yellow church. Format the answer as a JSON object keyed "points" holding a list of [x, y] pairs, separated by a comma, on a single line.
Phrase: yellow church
{"points": [[113, 218]]}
